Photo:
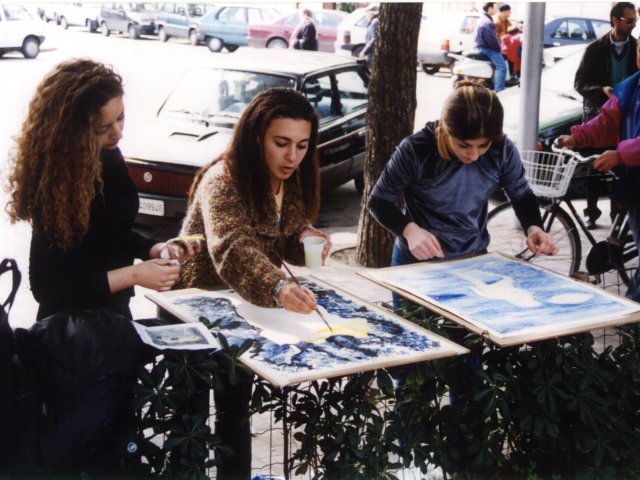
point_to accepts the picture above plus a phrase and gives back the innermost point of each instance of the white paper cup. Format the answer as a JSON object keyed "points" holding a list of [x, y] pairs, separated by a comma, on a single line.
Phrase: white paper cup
{"points": [[313, 247]]}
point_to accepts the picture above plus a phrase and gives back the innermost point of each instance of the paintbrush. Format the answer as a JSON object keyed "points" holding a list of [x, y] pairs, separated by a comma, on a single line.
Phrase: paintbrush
{"points": [[300, 286]]}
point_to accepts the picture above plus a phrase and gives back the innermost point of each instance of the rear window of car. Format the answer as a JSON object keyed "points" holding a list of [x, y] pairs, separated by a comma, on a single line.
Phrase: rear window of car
{"points": [[206, 93], [16, 12], [600, 27]]}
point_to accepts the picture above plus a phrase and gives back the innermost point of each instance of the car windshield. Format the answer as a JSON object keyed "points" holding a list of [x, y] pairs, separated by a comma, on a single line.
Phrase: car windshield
{"points": [[204, 93]]}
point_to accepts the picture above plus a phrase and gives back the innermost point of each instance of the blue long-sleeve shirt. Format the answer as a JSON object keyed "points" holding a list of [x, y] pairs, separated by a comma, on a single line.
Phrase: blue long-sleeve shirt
{"points": [[486, 36], [447, 197]]}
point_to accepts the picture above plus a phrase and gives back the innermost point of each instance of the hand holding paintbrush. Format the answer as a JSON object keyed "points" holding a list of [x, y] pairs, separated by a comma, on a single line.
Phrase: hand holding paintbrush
{"points": [[295, 280]]}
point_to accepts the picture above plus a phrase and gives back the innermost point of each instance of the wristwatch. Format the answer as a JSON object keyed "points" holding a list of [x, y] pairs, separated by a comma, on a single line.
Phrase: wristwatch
{"points": [[276, 291]]}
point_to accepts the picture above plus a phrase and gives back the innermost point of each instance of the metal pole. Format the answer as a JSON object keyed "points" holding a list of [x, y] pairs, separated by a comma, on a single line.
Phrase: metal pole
{"points": [[532, 47]]}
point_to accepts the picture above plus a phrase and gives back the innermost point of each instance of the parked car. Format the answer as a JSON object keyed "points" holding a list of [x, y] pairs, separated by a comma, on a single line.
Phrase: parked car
{"points": [[194, 124], [134, 19], [78, 14], [443, 33], [276, 34], [48, 12], [573, 30], [350, 37], [180, 20], [227, 26], [560, 104], [19, 31]]}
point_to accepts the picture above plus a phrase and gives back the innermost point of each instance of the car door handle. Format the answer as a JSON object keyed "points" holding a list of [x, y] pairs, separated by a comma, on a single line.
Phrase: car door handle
{"points": [[344, 138]]}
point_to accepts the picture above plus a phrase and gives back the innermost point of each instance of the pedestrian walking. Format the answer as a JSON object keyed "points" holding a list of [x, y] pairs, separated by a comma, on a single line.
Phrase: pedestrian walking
{"points": [[304, 36], [370, 38]]}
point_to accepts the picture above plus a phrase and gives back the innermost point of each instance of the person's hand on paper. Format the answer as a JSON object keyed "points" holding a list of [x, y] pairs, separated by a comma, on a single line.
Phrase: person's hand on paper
{"points": [[422, 244]]}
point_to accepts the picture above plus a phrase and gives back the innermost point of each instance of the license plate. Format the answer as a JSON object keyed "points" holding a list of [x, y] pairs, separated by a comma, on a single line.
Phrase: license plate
{"points": [[149, 206]]}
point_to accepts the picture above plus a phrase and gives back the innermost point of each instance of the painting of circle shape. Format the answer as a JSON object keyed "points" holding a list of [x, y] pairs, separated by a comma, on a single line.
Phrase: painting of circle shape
{"points": [[507, 300], [290, 348]]}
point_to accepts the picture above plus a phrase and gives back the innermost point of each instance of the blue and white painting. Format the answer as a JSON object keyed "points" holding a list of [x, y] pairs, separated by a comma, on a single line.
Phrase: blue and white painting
{"points": [[507, 298], [291, 348]]}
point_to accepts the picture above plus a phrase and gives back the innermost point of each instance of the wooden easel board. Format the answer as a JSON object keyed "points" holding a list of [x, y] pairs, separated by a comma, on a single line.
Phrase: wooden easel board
{"points": [[505, 299], [291, 348]]}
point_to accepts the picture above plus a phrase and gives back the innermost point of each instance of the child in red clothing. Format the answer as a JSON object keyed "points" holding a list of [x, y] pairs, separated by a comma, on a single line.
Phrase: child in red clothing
{"points": [[511, 48]]}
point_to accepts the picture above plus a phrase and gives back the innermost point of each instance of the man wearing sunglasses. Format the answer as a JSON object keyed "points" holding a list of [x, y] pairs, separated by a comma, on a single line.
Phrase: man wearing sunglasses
{"points": [[606, 62]]}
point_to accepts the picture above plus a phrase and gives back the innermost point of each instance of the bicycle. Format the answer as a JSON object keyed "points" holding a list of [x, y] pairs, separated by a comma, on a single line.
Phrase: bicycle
{"points": [[550, 175]]}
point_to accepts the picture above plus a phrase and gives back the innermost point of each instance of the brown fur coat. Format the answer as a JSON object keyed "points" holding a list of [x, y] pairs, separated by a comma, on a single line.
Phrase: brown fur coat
{"points": [[243, 251]]}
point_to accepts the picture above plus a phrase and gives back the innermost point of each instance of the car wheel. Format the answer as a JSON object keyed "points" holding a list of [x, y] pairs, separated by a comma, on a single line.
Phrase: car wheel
{"points": [[358, 181], [430, 69], [105, 29], [277, 43], [231, 48], [133, 34], [215, 44], [30, 47], [193, 37], [64, 23], [93, 26], [162, 34]]}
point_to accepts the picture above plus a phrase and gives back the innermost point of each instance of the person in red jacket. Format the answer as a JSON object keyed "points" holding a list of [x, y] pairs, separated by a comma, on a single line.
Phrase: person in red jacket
{"points": [[511, 47], [618, 124]]}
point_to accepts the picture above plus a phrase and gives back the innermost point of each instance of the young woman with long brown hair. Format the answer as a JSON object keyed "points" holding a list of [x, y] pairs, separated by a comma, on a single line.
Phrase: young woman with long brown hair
{"points": [[255, 205], [69, 180]]}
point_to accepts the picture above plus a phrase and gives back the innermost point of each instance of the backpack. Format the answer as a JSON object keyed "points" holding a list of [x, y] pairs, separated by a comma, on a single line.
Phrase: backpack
{"points": [[65, 393]]}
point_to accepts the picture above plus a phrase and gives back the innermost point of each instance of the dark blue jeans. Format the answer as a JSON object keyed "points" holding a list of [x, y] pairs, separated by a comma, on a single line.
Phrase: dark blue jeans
{"points": [[633, 293], [400, 257]]}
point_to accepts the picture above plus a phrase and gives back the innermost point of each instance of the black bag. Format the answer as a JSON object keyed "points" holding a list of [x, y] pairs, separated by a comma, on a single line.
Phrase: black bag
{"points": [[85, 363]]}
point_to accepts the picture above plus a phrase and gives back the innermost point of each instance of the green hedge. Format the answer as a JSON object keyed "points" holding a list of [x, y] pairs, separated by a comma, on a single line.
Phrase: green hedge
{"points": [[553, 409]]}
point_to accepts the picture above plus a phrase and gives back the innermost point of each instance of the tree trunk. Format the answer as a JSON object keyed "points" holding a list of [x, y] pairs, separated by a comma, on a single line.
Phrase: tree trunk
{"points": [[390, 114]]}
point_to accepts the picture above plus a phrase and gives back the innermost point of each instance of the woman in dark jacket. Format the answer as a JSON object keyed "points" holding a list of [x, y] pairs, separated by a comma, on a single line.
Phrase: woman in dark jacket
{"points": [[445, 174]]}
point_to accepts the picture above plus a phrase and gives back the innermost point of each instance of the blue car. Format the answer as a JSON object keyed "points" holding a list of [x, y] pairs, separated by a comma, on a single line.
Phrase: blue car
{"points": [[180, 20], [228, 26]]}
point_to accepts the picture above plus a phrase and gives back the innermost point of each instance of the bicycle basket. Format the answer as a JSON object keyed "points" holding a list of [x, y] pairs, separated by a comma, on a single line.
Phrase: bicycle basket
{"points": [[549, 174]]}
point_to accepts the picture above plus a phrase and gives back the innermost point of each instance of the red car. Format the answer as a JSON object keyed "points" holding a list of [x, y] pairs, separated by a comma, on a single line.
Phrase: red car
{"points": [[277, 33]]}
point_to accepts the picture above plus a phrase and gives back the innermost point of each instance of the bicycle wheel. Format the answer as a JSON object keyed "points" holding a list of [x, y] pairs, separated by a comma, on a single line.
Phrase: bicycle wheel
{"points": [[507, 237]]}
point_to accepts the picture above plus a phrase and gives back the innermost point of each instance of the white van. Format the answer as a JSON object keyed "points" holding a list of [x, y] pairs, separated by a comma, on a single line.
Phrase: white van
{"points": [[19, 31], [444, 32], [350, 37]]}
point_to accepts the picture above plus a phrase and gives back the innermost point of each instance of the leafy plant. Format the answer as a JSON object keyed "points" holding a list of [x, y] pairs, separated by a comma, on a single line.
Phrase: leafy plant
{"points": [[554, 409]]}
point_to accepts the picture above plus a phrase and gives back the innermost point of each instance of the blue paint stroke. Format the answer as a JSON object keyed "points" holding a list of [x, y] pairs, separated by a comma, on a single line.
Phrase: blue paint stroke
{"points": [[448, 285]]}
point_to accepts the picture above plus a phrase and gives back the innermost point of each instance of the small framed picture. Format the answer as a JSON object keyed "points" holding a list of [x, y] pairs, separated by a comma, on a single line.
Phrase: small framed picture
{"points": [[182, 336]]}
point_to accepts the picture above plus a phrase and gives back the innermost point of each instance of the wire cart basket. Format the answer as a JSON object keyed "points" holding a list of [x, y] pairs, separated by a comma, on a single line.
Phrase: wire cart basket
{"points": [[549, 174]]}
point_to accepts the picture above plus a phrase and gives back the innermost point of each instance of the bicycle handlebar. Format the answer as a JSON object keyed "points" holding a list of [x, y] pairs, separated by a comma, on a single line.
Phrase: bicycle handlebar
{"points": [[557, 147]]}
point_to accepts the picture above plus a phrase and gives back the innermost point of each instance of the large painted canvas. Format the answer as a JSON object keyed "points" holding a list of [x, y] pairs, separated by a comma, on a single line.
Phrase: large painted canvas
{"points": [[507, 300], [291, 348]]}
